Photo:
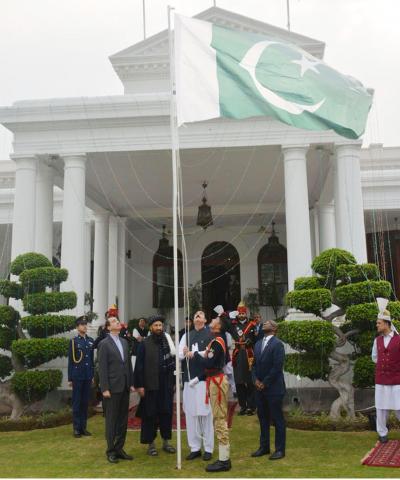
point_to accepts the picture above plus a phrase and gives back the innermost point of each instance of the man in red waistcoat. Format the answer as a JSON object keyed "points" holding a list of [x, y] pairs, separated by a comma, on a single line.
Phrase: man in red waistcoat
{"points": [[386, 355]]}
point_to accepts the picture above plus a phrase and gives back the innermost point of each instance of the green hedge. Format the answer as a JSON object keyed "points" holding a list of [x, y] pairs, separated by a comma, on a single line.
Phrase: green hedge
{"points": [[364, 372], [357, 273], [364, 316], [362, 292], [26, 261], [365, 341], [327, 262], [37, 303], [5, 366], [33, 385], [42, 326], [308, 283], [35, 351], [7, 336], [8, 316], [11, 289], [310, 301], [314, 336], [309, 365], [39, 278]]}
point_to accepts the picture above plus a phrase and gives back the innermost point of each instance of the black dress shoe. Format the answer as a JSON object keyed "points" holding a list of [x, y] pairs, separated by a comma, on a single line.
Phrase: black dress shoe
{"points": [[207, 456], [383, 439], [219, 466], [260, 452], [112, 458], [124, 456], [86, 433], [277, 455], [77, 434], [193, 455], [242, 411], [250, 411]]}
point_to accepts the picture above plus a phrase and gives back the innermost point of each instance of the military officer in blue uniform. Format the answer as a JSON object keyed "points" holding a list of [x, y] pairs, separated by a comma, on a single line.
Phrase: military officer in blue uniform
{"points": [[80, 376]]}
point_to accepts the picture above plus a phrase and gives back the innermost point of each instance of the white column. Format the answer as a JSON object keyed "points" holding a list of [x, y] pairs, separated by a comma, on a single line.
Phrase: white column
{"points": [[297, 213], [122, 246], [112, 260], [349, 212], [327, 231], [44, 209], [88, 254], [100, 272], [23, 228], [73, 227]]}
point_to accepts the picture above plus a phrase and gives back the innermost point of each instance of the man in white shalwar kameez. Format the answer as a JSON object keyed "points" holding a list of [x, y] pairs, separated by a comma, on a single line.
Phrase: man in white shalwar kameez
{"points": [[386, 355], [199, 420]]}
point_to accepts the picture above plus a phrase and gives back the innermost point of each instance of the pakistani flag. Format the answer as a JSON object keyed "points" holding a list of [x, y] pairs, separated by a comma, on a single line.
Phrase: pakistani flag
{"points": [[227, 73]]}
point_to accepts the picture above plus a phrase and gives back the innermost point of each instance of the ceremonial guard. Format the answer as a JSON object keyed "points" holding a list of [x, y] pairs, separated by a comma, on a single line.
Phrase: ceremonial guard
{"points": [[213, 361], [80, 376], [199, 422], [386, 355], [243, 332]]}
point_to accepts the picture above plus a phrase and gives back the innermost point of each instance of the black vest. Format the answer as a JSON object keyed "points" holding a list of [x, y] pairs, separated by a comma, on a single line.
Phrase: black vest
{"points": [[202, 338]]}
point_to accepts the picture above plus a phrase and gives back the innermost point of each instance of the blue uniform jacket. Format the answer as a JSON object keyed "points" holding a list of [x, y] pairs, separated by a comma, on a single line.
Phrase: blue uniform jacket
{"points": [[268, 366], [80, 358]]}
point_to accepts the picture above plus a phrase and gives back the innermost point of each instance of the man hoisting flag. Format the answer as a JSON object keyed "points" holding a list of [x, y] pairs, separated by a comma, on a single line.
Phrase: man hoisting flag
{"points": [[386, 355], [228, 73]]}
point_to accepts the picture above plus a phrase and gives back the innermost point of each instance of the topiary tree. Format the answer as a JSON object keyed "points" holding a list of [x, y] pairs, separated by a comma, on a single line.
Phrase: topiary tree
{"points": [[350, 289], [30, 341]]}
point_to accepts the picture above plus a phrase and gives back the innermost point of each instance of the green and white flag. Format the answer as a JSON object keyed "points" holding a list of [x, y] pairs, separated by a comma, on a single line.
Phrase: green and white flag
{"points": [[227, 73]]}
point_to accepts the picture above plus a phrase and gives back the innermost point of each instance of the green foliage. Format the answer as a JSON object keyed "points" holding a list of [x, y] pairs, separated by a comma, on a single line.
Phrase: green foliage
{"points": [[36, 351], [365, 341], [308, 283], [26, 261], [327, 262], [7, 335], [42, 326], [361, 292], [362, 316], [310, 301], [8, 316], [33, 422], [33, 385], [314, 336], [11, 289], [5, 366], [37, 303], [357, 273], [37, 279], [308, 365], [364, 372]]}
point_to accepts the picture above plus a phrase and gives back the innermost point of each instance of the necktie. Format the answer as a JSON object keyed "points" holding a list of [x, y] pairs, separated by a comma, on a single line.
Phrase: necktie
{"points": [[265, 343]]}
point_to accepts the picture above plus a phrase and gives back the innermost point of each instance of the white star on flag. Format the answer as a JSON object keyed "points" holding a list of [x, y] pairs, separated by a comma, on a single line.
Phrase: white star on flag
{"points": [[307, 64]]}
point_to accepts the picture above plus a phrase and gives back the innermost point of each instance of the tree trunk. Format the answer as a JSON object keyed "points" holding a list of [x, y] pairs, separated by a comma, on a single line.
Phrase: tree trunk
{"points": [[342, 385], [8, 397]]}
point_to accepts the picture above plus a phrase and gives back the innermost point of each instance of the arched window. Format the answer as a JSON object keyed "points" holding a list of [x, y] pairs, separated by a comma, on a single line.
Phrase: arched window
{"points": [[272, 272], [163, 275]]}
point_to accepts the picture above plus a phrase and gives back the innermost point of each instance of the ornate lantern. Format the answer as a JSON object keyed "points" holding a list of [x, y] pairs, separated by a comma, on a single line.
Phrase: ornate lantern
{"points": [[204, 216]]}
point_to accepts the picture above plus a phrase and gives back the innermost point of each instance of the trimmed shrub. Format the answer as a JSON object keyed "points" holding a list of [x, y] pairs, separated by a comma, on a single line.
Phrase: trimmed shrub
{"points": [[37, 303], [365, 341], [364, 372], [39, 278], [362, 316], [310, 335], [5, 366], [361, 292], [33, 385], [8, 316], [7, 335], [26, 261], [310, 301], [308, 283], [11, 289], [309, 365], [41, 326], [327, 261], [357, 273], [35, 351]]}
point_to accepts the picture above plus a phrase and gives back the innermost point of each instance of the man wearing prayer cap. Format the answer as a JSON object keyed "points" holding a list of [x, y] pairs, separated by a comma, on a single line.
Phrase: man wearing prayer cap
{"points": [[386, 355]]}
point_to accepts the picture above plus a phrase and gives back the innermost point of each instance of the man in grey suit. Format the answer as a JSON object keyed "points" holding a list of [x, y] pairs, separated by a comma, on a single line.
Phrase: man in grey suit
{"points": [[116, 380]]}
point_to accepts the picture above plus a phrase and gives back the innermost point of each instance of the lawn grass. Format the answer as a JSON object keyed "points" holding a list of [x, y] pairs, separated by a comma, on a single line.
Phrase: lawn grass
{"points": [[55, 453]]}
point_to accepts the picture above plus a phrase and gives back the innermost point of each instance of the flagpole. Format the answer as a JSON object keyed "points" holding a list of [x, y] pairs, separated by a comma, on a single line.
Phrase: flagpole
{"points": [[174, 148], [144, 19], [288, 14]]}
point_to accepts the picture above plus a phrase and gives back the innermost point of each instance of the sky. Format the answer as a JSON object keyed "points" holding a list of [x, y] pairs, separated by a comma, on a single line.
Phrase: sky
{"points": [[60, 48]]}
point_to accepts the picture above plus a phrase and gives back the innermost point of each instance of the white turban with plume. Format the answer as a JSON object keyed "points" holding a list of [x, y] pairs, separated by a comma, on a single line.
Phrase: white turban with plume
{"points": [[383, 313], [233, 314], [219, 309]]}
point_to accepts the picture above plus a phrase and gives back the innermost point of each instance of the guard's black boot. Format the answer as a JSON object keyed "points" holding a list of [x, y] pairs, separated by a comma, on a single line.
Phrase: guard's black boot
{"points": [[219, 466]]}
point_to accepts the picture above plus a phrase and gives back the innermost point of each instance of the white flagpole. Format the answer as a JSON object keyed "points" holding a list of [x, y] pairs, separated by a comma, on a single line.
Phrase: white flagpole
{"points": [[144, 19], [175, 146]]}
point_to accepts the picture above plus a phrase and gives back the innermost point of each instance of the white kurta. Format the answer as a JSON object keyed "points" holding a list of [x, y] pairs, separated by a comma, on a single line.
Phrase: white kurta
{"points": [[387, 397]]}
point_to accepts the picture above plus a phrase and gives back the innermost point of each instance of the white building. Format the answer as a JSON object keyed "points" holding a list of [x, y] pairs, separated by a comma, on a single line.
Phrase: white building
{"points": [[93, 176]]}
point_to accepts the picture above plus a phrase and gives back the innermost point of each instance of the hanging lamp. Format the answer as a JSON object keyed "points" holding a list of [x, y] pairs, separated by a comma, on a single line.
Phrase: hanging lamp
{"points": [[204, 216]]}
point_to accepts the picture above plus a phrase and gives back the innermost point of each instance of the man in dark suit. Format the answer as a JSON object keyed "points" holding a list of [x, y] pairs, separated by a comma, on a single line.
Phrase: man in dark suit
{"points": [[267, 373], [116, 380]]}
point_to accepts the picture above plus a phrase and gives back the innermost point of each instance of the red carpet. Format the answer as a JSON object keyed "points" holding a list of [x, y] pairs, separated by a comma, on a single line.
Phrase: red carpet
{"points": [[383, 455], [134, 422]]}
